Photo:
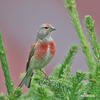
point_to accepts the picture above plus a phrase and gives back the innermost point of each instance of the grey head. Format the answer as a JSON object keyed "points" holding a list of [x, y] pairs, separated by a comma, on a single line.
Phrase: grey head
{"points": [[45, 31]]}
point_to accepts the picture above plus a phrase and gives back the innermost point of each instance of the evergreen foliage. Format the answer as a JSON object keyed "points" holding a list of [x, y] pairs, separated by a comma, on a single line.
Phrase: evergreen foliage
{"points": [[5, 67], [62, 85]]}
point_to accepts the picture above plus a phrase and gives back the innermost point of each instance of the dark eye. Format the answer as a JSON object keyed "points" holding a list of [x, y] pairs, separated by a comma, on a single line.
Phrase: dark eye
{"points": [[46, 27]]}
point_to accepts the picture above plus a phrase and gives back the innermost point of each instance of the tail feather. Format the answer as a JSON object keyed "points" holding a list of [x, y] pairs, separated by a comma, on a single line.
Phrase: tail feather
{"points": [[28, 83], [26, 80]]}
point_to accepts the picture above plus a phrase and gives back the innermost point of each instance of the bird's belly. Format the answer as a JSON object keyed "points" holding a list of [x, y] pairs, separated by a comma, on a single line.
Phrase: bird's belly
{"points": [[42, 62]]}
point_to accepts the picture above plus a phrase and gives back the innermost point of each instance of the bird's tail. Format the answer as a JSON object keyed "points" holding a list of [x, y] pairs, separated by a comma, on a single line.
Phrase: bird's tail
{"points": [[26, 80]]}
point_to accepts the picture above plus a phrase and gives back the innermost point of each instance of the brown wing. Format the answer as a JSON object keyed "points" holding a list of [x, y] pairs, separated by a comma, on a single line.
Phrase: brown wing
{"points": [[30, 54]]}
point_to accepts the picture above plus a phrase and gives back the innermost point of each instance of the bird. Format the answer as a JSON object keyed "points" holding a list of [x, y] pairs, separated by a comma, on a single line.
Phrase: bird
{"points": [[41, 52]]}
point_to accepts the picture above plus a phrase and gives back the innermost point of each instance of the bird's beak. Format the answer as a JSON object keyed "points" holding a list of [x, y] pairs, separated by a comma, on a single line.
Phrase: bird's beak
{"points": [[53, 29]]}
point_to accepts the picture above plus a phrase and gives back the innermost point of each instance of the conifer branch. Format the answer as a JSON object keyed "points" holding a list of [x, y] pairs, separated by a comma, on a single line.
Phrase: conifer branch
{"points": [[5, 67], [92, 36], [71, 6], [68, 60]]}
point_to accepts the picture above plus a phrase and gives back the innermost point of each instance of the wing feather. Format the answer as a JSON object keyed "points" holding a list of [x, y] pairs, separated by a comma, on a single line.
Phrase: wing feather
{"points": [[32, 50]]}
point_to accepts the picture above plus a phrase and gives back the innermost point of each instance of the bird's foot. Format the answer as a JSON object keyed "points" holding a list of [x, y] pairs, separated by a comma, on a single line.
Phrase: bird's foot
{"points": [[46, 76]]}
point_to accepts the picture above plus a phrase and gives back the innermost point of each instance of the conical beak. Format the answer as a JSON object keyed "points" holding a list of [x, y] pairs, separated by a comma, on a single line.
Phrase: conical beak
{"points": [[53, 29]]}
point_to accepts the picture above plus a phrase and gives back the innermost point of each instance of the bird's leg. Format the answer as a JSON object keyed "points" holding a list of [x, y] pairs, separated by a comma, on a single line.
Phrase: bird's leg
{"points": [[46, 76]]}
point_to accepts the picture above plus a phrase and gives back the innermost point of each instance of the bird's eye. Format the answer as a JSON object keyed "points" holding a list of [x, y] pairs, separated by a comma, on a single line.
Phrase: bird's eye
{"points": [[46, 27]]}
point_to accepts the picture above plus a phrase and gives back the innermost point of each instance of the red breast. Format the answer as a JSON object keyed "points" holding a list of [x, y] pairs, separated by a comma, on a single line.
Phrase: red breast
{"points": [[43, 47], [52, 47]]}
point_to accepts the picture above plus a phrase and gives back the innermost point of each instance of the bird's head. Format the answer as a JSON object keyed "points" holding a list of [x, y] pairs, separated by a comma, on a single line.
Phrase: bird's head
{"points": [[45, 30]]}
